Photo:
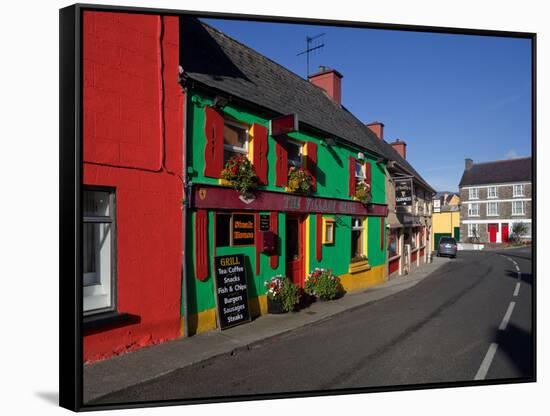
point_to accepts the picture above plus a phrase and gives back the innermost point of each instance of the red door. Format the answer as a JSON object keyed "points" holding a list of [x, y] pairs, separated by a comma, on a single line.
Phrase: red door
{"points": [[504, 233], [295, 249], [493, 229]]}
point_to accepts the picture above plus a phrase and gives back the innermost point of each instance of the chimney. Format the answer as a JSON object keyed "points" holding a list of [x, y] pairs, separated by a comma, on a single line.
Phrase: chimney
{"points": [[329, 80], [401, 147], [468, 163], [377, 128]]}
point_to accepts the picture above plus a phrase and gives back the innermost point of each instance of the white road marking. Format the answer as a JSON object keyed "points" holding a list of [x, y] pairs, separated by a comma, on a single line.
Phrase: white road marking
{"points": [[519, 275], [516, 291], [517, 267], [507, 316], [486, 363]]}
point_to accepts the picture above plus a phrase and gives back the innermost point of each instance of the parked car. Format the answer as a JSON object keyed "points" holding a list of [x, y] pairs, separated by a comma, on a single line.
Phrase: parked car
{"points": [[447, 247]]}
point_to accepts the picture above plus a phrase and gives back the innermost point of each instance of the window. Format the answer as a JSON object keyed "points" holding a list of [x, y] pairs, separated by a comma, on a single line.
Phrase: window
{"points": [[492, 208], [473, 230], [235, 137], [234, 229], [98, 246], [359, 171], [518, 190], [518, 208], [392, 244], [414, 240], [294, 151], [473, 193], [328, 231], [357, 248], [492, 192], [473, 210]]}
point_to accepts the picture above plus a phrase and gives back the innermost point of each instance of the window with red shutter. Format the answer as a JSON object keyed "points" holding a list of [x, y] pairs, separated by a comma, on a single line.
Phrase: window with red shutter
{"points": [[351, 174], [213, 151], [281, 167], [259, 150], [311, 162]]}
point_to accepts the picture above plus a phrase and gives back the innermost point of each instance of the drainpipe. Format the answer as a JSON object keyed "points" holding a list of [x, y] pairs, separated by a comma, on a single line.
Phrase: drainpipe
{"points": [[184, 271]]}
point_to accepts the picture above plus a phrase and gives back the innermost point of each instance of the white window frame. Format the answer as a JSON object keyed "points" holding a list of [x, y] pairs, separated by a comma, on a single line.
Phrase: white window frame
{"points": [[361, 229], [471, 210], [473, 193], [101, 297], [300, 147], [363, 175], [491, 204], [471, 227], [520, 203], [491, 195], [521, 188], [237, 149]]}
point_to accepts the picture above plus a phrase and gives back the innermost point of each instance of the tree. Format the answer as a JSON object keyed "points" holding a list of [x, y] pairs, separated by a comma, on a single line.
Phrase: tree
{"points": [[519, 229]]}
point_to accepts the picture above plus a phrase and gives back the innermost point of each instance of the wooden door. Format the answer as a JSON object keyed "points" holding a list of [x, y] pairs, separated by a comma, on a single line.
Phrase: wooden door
{"points": [[493, 229], [504, 233], [295, 261]]}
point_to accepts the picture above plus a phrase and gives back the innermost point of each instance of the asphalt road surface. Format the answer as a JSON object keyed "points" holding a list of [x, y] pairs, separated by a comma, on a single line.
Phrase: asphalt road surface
{"points": [[469, 320]]}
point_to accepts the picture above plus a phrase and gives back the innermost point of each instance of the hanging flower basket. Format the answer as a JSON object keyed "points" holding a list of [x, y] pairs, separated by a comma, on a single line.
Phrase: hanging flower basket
{"points": [[363, 192], [299, 180], [241, 175]]}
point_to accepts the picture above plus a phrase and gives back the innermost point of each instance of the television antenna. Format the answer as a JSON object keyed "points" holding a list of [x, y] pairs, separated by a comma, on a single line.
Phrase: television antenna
{"points": [[310, 48]]}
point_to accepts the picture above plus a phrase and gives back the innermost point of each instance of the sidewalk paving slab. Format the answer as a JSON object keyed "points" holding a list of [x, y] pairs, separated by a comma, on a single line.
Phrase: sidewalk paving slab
{"points": [[118, 373]]}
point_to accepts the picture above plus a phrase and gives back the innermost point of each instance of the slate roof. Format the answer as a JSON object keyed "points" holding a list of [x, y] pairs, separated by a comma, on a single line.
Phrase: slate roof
{"points": [[500, 171], [218, 61]]}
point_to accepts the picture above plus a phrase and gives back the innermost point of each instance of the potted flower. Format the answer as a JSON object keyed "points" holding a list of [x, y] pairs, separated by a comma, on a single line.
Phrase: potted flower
{"points": [[299, 180], [282, 295], [240, 174], [323, 283], [362, 192]]}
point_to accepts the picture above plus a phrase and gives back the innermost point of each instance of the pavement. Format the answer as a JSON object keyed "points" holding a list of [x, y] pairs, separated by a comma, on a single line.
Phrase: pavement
{"points": [[106, 377]]}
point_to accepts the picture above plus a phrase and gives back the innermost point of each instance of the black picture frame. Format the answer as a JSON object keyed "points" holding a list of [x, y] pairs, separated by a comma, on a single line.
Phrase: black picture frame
{"points": [[70, 213]]}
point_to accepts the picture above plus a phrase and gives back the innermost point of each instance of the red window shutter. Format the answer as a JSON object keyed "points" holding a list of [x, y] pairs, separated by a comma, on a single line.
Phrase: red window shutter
{"points": [[319, 237], [259, 157], [274, 223], [351, 183], [311, 162], [258, 241], [281, 168], [368, 173], [213, 151], [201, 244]]}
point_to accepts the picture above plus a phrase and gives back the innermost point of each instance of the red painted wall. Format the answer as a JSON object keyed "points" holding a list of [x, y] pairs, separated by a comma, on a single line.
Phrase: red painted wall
{"points": [[133, 138]]}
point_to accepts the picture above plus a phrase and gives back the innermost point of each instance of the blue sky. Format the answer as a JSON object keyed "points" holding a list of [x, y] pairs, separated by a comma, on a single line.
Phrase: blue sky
{"points": [[448, 96]]}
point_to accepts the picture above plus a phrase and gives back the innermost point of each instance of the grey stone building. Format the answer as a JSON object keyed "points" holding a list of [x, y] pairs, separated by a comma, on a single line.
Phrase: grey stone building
{"points": [[495, 196]]}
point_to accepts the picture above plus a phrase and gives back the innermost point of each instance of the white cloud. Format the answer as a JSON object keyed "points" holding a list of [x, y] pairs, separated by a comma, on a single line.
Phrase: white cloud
{"points": [[512, 154]]}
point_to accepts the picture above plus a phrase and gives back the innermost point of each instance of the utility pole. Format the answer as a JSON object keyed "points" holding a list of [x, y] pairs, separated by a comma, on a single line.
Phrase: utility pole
{"points": [[310, 48]]}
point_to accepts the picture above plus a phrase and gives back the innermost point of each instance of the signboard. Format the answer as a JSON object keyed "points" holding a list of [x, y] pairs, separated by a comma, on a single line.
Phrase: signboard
{"points": [[437, 205], [403, 192], [265, 222], [231, 290], [242, 232], [216, 197], [283, 125]]}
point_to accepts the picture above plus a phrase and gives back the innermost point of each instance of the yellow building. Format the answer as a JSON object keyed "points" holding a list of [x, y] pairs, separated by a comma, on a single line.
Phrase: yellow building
{"points": [[445, 218]]}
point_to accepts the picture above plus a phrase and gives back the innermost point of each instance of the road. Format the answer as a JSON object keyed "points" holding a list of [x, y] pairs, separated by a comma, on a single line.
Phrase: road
{"points": [[471, 319]]}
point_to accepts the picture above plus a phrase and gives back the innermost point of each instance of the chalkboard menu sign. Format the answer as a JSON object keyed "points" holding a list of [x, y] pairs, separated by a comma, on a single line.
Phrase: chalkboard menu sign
{"points": [[403, 192], [243, 229], [231, 290], [264, 222]]}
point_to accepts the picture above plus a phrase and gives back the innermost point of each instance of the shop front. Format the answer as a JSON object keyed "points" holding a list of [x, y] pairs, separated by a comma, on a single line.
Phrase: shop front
{"points": [[279, 234]]}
